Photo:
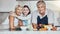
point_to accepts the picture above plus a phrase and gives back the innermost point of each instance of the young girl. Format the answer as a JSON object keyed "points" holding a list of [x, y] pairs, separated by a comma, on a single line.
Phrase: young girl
{"points": [[26, 18], [26, 15]]}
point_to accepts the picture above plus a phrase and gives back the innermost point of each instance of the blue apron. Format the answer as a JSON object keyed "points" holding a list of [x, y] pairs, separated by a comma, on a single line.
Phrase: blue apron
{"points": [[44, 20]]}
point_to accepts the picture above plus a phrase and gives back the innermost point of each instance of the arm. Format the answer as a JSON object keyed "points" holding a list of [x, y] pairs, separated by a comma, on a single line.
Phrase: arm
{"points": [[11, 22], [34, 21], [23, 18], [50, 17], [51, 20]]}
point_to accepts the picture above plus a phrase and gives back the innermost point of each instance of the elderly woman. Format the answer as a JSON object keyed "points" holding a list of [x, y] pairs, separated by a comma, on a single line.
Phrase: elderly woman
{"points": [[13, 21]]}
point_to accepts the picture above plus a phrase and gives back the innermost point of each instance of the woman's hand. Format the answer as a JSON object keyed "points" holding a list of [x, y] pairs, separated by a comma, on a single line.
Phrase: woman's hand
{"points": [[12, 29]]}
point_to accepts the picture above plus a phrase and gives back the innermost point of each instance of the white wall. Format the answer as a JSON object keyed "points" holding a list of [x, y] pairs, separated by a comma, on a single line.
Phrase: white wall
{"points": [[7, 5], [53, 5]]}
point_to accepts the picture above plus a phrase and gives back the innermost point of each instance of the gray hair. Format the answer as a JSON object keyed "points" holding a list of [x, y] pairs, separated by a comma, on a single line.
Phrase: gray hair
{"points": [[40, 2]]}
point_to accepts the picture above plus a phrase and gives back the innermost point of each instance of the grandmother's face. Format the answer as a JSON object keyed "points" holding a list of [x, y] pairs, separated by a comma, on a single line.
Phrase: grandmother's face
{"points": [[18, 10]]}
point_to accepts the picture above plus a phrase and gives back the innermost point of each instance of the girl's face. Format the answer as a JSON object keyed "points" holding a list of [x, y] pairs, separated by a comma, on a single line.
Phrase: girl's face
{"points": [[26, 11], [18, 10]]}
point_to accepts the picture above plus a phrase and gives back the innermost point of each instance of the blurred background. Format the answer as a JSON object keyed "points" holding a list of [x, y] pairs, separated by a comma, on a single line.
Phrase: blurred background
{"points": [[9, 5]]}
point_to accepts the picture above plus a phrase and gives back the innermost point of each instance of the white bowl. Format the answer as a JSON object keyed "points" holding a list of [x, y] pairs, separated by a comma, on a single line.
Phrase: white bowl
{"points": [[23, 27]]}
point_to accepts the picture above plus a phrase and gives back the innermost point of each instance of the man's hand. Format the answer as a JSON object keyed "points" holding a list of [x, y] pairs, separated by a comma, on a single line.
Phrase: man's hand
{"points": [[54, 28], [34, 26]]}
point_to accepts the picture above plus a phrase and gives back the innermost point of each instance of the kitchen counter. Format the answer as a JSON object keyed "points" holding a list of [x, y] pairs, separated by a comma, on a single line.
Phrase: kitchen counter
{"points": [[4, 29]]}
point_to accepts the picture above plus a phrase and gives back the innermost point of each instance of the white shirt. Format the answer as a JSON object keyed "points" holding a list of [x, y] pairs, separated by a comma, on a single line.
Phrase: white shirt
{"points": [[49, 14]]}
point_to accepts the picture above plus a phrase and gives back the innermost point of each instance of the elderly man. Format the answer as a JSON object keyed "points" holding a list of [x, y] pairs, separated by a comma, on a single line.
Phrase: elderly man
{"points": [[42, 16]]}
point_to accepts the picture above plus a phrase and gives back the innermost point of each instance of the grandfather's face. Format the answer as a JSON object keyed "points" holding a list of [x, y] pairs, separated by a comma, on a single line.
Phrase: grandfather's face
{"points": [[41, 8]]}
